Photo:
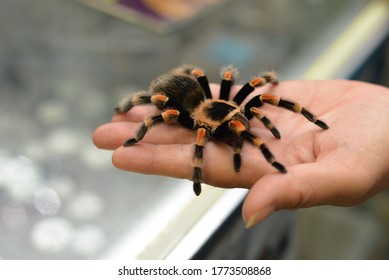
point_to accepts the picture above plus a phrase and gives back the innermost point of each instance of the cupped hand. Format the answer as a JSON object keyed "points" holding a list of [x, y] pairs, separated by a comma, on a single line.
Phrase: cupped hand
{"points": [[344, 165]]}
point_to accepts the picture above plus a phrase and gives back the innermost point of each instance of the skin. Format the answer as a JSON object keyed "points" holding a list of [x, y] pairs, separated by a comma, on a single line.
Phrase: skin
{"points": [[344, 165]]}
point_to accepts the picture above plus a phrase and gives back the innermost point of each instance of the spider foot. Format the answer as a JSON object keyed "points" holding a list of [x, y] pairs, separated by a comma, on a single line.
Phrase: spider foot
{"points": [[130, 142], [279, 167], [197, 188], [275, 133], [196, 178], [237, 162], [266, 122], [139, 135], [321, 124], [270, 158], [294, 107], [312, 118]]}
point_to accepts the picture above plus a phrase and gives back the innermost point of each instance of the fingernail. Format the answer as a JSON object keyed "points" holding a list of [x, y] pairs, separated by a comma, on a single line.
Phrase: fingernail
{"points": [[257, 217]]}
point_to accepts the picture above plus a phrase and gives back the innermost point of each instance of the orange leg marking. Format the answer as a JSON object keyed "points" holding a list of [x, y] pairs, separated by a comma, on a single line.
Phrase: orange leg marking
{"points": [[159, 97], [198, 72], [256, 112], [228, 75], [201, 137], [257, 81], [169, 115], [237, 126], [274, 100], [159, 100]]}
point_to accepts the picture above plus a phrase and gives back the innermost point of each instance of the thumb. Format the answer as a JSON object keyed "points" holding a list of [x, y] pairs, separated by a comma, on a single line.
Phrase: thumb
{"points": [[304, 185]]}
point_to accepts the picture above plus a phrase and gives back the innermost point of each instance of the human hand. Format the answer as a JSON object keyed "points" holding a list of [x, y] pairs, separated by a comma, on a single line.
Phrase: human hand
{"points": [[344, 165]]}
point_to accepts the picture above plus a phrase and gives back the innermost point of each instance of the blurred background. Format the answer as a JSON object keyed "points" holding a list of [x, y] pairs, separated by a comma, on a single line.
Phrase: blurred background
{"points": [[65, 64]]}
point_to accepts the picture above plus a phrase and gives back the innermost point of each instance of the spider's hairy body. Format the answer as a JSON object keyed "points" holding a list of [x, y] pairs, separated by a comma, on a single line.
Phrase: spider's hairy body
{"points": [[183, 95], [213, 113], [185, 90]]}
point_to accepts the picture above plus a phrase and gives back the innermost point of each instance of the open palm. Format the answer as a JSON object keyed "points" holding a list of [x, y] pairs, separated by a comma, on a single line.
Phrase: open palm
{"points": [[343, 165]]}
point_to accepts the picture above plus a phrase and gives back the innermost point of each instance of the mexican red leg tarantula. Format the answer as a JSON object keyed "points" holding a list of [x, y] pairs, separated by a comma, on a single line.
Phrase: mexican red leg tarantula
{"points": [[183, 95]]}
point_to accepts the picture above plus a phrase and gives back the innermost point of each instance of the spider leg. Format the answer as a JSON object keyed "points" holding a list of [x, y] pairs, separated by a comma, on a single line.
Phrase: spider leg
{"points": [[292, 106], [239, 129], [130, 101], [201, 138], [251, 110], [237, 157], [162, 102], [165, 116], [258, 81], [203, 81], [228, 75], [267, 123]]}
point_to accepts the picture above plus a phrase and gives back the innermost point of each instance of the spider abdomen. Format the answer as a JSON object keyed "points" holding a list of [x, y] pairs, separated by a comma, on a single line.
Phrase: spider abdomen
{"points": [[182, 88]]}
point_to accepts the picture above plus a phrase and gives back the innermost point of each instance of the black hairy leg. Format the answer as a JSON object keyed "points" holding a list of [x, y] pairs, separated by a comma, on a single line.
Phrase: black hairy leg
{"points": [[201, 138], [203, 81], [165, 116], [228, 75], [237, 157], [241, 131], [292, 106], [250, 86], [159, 100], [266, 122], [128, 102]]}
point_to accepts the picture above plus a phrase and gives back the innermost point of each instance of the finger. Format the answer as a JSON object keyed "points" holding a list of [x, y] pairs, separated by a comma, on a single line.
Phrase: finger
{"points": [[166, 160], [112, 135], [176, 161], [303, 186], [136, 114]]}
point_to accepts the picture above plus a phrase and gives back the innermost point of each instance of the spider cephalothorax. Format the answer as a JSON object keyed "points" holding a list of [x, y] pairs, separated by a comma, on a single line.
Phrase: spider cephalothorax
{"points": [[184, 96]]}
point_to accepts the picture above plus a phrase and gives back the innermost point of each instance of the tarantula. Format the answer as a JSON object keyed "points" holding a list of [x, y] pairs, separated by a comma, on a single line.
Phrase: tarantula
{"points": [[184, 96]]}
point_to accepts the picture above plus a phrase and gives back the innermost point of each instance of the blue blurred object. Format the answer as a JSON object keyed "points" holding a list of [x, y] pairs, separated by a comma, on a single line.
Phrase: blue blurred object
{"points": [[231, 50]]}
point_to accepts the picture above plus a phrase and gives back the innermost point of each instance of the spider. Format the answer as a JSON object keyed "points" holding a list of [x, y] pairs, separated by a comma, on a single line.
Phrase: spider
{"points": [[183, 95]]}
